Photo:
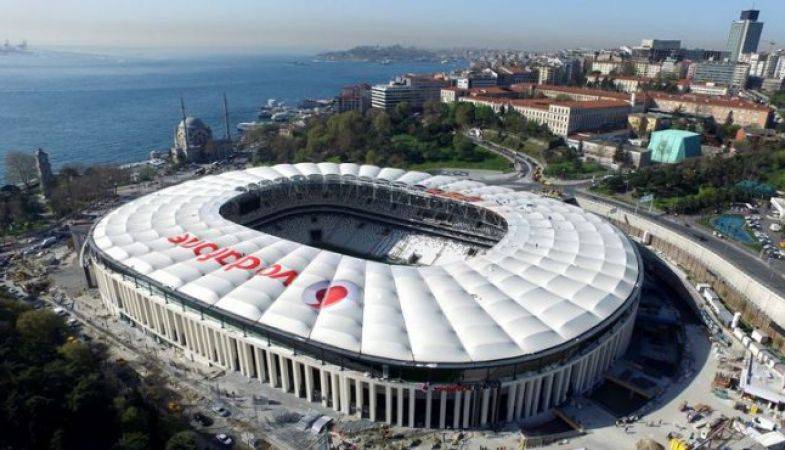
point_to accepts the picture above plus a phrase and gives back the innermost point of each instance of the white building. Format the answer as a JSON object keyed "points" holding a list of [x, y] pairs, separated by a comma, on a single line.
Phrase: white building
{"points": [[778, 205], [534, 314]]}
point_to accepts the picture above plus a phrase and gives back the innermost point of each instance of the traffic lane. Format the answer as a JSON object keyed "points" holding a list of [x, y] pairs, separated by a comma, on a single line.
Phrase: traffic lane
{"points": [[746, 262]]}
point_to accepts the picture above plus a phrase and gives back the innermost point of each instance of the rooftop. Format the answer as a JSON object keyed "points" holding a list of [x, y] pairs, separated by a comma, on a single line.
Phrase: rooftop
{"points": [[557, 275]]}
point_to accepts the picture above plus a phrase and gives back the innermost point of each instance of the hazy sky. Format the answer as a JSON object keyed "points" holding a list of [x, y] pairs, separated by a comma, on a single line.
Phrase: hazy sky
{"points": [[308, 25]]}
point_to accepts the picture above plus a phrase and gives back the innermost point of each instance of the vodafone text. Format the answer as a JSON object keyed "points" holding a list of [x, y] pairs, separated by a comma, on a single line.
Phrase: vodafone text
{"points": [[232, 259]]}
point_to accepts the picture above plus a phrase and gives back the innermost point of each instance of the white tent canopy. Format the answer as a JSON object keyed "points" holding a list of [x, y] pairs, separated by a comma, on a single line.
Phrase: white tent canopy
{"points": [[558, 273]]}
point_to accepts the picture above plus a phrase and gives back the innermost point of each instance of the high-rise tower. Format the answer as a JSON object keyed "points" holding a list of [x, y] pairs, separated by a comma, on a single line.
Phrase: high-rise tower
{"points": [[744, 34]]}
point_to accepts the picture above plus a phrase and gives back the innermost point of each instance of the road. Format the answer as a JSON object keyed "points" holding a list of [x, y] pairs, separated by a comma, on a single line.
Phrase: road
{"points": [[523, 163], [748, 262]]}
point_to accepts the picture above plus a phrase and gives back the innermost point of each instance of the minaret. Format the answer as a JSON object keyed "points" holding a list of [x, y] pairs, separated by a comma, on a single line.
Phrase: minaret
{"points": [[226, 120], [185, 126]]}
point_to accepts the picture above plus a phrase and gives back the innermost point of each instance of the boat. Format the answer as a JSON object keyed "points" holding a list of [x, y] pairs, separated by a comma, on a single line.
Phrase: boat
{"points": [[242, 127], [282, 116]]}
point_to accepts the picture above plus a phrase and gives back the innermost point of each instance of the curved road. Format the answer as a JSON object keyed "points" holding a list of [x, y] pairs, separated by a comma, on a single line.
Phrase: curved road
{"points": [[741, 259]]}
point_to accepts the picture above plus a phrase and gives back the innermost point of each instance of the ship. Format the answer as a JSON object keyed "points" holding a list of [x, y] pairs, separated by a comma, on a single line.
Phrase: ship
{"points": [[243, 127]]}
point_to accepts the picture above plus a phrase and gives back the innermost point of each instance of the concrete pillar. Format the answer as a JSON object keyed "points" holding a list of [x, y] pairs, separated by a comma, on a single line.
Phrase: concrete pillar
{"points": [[372, 401], [565, 385], [230, 351], [519, 401], [456, 410], [189, 339], [336, 391], [428, 402], [412, 398], [308, 382], [168, 324], [323, 375], [533, 401], [177, 330], [208, 339], [296, 374], [260, 372], [511, 394], [388, 404], [399, 391], [467, 410], [273, 370], [346, 395], [484, 406], [547, 392], [216, 338], [284, 373], [198, 339], [443, 410], [241, 358], [358, 392]]}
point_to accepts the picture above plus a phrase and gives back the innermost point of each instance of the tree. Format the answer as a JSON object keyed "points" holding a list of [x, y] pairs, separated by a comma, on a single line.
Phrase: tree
{"points": [[20, 168], [133, 441], [621, 156], [146, 173], [464, 114], [40, 327], [184, 440], [464, 148]]}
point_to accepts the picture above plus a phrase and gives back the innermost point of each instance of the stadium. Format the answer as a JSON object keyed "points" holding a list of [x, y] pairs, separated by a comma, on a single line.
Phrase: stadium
{"points": [[402, 297]]}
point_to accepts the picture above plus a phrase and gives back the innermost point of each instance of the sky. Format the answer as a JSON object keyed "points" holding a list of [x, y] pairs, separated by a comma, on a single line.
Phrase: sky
{"points": [[315, 25]]}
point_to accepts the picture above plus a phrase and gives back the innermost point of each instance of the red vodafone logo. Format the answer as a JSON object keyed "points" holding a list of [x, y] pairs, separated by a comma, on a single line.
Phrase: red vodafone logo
{"points": [[331, 293]]}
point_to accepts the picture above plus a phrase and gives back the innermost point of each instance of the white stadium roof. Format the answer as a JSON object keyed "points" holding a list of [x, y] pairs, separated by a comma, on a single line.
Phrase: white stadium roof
{"points": [[558, 273]]}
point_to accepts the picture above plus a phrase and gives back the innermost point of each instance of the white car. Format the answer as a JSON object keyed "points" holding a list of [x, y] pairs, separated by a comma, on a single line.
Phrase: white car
{"points": [[221, 411], [224, 439]]}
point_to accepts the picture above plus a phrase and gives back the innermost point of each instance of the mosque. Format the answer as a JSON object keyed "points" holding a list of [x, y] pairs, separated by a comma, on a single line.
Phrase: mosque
{"points": [[194, 141]]}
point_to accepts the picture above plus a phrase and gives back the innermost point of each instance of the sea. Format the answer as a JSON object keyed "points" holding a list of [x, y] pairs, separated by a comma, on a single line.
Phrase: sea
{"points": [[98, 108]]}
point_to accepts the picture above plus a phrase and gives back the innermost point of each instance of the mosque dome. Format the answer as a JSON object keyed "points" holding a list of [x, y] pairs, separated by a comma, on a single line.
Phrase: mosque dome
{"points": [[199, 134]]}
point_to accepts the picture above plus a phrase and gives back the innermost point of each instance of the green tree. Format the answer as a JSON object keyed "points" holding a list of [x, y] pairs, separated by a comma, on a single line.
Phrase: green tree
{"points": [[41, 327], [133, 441], [464, 114], [146, 173], [184, 440]]}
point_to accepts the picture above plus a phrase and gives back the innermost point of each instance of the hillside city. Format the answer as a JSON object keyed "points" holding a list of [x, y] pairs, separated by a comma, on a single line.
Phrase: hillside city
{"points": [[573, 249]]}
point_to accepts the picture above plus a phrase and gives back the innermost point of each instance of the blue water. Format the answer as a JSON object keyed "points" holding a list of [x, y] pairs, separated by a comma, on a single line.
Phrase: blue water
{"points": [[91, 109], [733, 226]]}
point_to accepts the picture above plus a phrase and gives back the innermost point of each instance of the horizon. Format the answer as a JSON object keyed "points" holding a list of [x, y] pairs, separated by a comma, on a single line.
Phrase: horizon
{"points": [[178, 27]]}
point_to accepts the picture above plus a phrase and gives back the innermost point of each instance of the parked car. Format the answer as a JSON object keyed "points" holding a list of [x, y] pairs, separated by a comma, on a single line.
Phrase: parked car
{"points": [[224, 439], [221, 411]]}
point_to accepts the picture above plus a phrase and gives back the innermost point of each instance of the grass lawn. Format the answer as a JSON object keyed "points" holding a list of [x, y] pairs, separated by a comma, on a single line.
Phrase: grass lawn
{"points": [[491, 162]]}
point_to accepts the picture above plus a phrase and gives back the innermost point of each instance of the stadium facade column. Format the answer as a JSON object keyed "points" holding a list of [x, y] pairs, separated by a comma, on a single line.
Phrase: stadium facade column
{"points": [[456, 410], [324, 386], [260, 365], [442, 409], [511, 394], [546, 401], [388, 404], [399, 392], [519, 401], [296, 377], [284, 373], [308, 382], [335, 388], [467, 410], [484, 406], [428, 404], [271, 366], [372, 401], [346, 395], [412, 403], [358, 394]]}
